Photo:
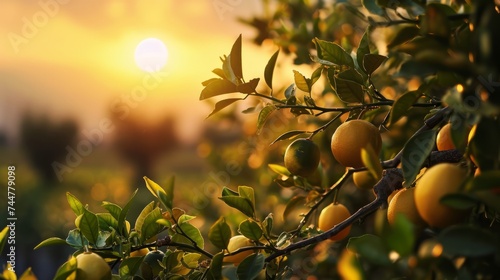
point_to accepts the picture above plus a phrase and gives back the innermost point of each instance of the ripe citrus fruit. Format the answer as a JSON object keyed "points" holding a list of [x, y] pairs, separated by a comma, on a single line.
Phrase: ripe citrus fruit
{"points": [[150, 266], [438, 181], [90, 266], [236, 242], [365, 179], [403, 202], [302, 157], [443, 140], [350, 137], [330, 216]]}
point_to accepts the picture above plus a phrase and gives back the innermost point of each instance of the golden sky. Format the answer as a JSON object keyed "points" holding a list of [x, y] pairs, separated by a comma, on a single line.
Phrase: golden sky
{"points": [[75, 58]]}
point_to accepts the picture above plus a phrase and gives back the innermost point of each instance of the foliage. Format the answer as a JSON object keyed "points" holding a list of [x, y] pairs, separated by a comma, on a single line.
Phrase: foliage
{"points": [[430, 70]]}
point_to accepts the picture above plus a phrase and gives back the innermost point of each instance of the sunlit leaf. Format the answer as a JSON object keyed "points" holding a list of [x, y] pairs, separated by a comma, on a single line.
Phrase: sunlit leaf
{"points": [[112, 208], [229, 192], [152, 186], [415, 152], [215, 270], [3, 238], [279, 169], [47, 242], [106, 221], [248, 193], [349, 92], [75, 204], [193, 233], [401, 237], [349, 266], [363, 49], [269, 70], [264, 115], [267, 224], [240, 203], [66, 269], [402, 104], [333, 53], [89, 226], [250, 229], [373, 61], [404, 35], [316, 75], [76, 239], [351, 75], [150, 227], [250, 267], [123, 214], [220, 233], [190, 260], [372, 7], [302, 83], [142, 216]]}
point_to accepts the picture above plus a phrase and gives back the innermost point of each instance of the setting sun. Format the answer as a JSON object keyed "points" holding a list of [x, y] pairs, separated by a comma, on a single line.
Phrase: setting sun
{"points": [[151, 55]]}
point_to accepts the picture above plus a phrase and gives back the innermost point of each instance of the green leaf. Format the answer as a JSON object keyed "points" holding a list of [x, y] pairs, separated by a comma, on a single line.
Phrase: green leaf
{"points": [[229, 192], [279, 169], [66, 269], [167, 201], [75, 204], [371, 161], [290, 93], [267, 224], [484, 146], [142, 216], [288, 135], [371, 247], [89, 226], [467, 241], [459, 201], [250, 229], [404, 35], [4, 235], [248, 87], [363, 49], [215, 270], [351, 75], [76, 239], [220, 233], [103, 239], [415, 152], [302, 82], [193, 233], [112, 208], [217, 87], [152, 186], [150, 227], [240, 203], [402, 105], [190, 260], [248, 193], [372, 7], [107, 221], [184, 218], [269, 70], [235, 58], [373, 61], [293, 203], [129, 266], [123, 214], [250, 267], [333, 52], [316, 75], [401, 237], [47, 242], [348, 92], [264, 115]]}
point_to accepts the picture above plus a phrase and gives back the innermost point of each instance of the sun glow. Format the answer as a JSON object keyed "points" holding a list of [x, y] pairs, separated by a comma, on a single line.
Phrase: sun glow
{"points": [[151, 55]]}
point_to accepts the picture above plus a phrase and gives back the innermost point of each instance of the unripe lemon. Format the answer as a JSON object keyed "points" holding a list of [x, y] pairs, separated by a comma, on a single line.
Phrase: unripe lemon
{"points": [[365, 179], [404, 202], [443, 140], [150, 266], [90, 266], [302, 157], [330, 216], [438, 181], [236, 242], [350, 137]]}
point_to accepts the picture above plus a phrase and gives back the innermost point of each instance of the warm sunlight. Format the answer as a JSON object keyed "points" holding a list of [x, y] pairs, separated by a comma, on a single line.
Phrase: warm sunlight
{"points": [[151, 55]]}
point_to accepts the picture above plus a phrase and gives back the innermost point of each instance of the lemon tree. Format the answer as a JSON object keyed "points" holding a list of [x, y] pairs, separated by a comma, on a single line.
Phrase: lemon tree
{"points": [[371, 111]]}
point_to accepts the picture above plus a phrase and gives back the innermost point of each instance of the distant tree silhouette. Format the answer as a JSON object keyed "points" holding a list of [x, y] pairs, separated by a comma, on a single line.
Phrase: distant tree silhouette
{"points": [[44, 141], [143, 143]]}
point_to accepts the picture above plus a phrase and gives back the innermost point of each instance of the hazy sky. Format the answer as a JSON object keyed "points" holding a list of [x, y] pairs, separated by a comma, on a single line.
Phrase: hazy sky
{"points": [[75, 58]]}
